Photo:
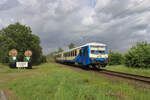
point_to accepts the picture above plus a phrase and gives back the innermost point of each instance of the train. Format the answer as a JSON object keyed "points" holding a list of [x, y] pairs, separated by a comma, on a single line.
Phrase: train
{"points": [[90, 55]]}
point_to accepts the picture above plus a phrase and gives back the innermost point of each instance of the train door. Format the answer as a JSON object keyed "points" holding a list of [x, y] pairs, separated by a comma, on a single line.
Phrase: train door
{"points": [[84, 57]]}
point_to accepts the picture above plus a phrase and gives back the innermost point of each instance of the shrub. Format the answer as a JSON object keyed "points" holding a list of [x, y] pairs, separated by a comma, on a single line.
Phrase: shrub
{"points": [[115, 58], [138, 56]]}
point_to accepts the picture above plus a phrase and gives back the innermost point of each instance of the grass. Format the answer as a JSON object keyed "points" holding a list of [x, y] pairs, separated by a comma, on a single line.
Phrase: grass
{"points": [[55, 82], [5, 71], [123, 68]]}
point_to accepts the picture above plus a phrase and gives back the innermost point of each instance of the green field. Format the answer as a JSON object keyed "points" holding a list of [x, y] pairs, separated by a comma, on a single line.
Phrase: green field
{"points": [[123, 68], [51, 81]]}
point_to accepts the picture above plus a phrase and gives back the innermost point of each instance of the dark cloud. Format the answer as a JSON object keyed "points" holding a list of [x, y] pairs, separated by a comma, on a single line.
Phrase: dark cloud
{"points": [[8, 4], [120, 24]]}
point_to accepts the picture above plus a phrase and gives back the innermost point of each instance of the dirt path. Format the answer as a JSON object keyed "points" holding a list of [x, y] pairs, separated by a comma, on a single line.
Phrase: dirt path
{"points": [[2, 70], [6, 94], [15, 75]]}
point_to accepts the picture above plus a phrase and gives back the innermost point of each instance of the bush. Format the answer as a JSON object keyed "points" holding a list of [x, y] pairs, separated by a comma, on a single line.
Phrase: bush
{"points": [[115, 58], [44, 59], [138, 56]]}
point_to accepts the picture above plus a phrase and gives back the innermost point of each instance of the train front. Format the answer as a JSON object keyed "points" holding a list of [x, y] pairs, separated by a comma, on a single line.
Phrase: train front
{"points": [[99, 55]]}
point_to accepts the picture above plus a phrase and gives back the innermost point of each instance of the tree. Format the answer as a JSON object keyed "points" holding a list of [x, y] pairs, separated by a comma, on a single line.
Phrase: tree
{"points": [[115, 58], [60, 50], [138, 56], [20, 37], [71, 45], [52, 54], [5, 44]]}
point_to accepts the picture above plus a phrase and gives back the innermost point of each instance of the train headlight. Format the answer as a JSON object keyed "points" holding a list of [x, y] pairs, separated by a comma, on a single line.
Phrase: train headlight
{"points": [[92, 58], [106, 56]]}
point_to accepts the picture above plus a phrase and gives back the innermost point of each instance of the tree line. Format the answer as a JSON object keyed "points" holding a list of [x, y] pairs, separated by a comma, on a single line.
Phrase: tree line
{"points": [[137, 57]]}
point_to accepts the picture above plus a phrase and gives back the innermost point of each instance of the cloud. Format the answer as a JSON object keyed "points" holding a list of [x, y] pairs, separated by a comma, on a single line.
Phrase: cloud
{"points": [[8, 4], [120, 24]]}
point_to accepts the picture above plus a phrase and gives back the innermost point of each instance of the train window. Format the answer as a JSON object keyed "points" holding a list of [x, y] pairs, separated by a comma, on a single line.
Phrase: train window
{"points": [[85, 52], [66, 54], [75, 53], [101, 51], [97, 51], [72, 53], [80, 53]]}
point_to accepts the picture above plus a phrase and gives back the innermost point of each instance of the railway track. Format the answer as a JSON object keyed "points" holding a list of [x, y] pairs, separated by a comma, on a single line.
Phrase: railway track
{"points": [[140, 78]]}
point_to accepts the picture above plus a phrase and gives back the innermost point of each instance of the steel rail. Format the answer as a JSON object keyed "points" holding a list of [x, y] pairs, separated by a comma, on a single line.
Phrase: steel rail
{"points": [[140, 78]]}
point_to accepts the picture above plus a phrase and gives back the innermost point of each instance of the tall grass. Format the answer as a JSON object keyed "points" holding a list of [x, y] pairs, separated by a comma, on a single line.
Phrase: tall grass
{"points": [[123, 68], [55, 82]]}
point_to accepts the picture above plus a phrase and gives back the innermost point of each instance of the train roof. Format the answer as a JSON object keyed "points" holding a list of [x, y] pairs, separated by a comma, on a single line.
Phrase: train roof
{"points": [[92, 43]]}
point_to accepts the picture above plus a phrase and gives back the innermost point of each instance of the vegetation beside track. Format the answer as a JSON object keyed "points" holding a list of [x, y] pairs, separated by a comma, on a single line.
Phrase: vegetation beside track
{"points": [[57, 82], [123, 68]]}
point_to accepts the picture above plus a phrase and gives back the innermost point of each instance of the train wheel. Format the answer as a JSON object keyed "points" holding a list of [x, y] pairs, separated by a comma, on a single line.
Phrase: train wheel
{"points": [[91, 67], [97, 66], [104, 65], [85, 67]]}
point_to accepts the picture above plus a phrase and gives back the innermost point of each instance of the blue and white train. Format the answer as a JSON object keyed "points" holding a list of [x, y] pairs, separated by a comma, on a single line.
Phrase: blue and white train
{"points": [[90, 55]]}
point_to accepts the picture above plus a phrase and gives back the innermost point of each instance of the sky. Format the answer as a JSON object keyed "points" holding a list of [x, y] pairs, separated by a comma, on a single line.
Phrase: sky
{"points": [[117, 23]]}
